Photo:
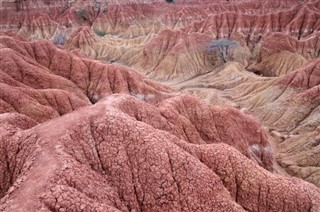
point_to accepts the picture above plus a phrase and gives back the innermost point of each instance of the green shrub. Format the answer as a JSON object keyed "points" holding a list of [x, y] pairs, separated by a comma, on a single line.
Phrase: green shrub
{"points": [[101, 33]]}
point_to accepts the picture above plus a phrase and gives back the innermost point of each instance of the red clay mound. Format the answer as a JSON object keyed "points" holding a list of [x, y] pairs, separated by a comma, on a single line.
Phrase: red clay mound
{"points": [[83, 135], [276, 42], [82, 37], [140, 147], [160, 55], [306, 77], [102, 158], [300, 21], [43, 82]]}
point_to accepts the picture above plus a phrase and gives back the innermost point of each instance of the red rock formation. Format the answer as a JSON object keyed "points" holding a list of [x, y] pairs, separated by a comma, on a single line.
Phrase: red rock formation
{"points": [[306, 77], [78, 134], [298, 22], [309, 47], [36, 70], [144, 148], [128, 164], [160, 55]]}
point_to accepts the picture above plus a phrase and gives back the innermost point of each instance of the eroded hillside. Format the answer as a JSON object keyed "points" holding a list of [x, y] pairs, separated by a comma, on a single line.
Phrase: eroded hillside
{"points": [[157, 106]]}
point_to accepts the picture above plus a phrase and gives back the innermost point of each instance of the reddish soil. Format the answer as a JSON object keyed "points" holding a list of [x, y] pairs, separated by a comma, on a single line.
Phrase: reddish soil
{"points": [[84, 126]]}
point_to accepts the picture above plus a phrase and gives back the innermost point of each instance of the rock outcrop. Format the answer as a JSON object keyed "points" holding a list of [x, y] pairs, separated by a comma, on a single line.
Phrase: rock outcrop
{"points": [[84, 126], [83, 135]]}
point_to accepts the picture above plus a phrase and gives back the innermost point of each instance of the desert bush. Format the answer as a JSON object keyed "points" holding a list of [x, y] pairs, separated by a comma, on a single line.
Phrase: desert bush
{"points": [[60, 38], [100, 33], [222, 48]]}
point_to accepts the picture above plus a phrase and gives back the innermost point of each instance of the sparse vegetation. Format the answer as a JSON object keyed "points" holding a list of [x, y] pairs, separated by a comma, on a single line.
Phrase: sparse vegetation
{"points": [[60, 38], [100, 33], [83, 13], [222, 48]]}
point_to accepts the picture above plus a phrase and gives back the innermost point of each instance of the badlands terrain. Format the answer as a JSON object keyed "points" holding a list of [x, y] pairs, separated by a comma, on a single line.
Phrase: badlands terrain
{"points": [[154, 105]]}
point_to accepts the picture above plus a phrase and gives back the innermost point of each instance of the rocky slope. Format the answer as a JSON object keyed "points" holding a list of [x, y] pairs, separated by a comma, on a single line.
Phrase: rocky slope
{"points": [[84, 126], [139, 147]]}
